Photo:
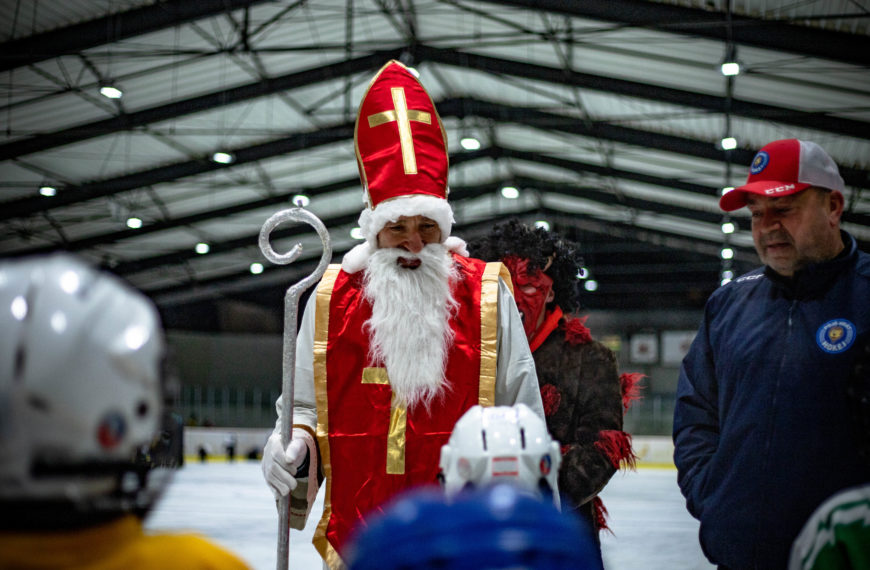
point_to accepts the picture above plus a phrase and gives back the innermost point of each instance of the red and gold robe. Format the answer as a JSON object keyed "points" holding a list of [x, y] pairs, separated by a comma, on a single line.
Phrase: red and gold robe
{"points": [[370, 447]]}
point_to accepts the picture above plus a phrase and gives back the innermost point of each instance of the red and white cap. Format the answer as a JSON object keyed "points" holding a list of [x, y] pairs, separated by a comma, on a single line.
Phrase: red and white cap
{"points": [[785, 167], [401, 152]]}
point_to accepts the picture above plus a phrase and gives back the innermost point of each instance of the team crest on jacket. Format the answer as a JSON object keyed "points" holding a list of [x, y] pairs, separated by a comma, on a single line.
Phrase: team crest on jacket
{"points": [[835, 336]]}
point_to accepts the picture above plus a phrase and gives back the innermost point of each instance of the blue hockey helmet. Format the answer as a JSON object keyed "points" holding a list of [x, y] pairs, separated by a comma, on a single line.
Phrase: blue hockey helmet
{"points": [[495, 527]]}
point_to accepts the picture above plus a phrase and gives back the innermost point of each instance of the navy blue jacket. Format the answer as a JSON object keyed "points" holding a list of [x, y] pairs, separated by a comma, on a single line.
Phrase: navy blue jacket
{"points": [[762, 426]]}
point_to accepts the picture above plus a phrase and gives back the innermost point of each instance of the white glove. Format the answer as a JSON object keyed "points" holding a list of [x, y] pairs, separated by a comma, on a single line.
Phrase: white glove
{"points": [[280, 465]]}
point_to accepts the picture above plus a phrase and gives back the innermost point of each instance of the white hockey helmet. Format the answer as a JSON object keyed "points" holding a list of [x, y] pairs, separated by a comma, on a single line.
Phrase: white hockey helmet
{"points": [[81, 357], [501, 444]]}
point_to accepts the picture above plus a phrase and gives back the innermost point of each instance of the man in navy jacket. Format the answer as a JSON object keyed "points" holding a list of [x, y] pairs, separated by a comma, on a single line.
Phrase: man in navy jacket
{"points": [[761, 426]]}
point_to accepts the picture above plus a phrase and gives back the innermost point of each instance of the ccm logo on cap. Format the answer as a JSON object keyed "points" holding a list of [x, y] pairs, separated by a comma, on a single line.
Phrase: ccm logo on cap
{"points": [[779, 189]]}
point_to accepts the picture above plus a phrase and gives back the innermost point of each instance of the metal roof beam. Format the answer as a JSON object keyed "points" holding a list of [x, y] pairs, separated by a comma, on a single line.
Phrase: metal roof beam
{"points": [[287, 274], [283, 198], [457, 158], [132, 120], [96, 240], [464, 106], [757, 111], [183, 255], [712, 24], [112, 28], [610, 199], [458, 194], [161, 174], [459, 107]]}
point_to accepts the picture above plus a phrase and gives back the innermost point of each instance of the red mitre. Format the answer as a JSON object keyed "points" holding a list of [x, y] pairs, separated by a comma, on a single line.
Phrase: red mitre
{"points": [[400, 143]]}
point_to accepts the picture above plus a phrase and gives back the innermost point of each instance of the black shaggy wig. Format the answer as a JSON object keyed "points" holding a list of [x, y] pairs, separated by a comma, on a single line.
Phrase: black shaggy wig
{"points": [[538, 246]]}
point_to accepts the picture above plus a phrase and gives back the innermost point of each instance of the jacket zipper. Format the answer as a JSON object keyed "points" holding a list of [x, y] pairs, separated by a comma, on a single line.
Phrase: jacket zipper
{"points": [[773, 399]]}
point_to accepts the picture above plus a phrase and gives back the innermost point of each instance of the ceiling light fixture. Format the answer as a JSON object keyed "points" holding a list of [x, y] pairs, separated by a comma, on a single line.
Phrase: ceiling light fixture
{"points": [[48, 191], [202, 248], [510, 192], [730, 68], [111, 92], [256, 268], [223, 158], [469, 143], [300, 200], [19, 308], [134, 223]]}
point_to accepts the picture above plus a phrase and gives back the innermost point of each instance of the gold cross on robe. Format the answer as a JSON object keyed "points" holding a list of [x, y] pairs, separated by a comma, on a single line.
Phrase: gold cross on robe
{"points": [[398, 422]]}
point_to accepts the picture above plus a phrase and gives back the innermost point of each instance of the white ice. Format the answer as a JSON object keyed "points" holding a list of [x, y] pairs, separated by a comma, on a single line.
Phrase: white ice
{"points": [[230, 504]]}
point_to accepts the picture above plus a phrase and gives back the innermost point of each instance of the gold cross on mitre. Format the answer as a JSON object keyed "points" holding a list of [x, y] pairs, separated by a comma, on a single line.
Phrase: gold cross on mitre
{"points": [[403, 116]]}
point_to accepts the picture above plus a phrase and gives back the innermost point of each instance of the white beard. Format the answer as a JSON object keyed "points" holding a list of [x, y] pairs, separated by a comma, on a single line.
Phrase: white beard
{"points": [[410, 322]]}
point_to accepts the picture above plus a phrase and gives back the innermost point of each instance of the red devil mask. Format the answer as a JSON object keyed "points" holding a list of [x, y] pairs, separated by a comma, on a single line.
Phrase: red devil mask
{"points": [[531, 289]]}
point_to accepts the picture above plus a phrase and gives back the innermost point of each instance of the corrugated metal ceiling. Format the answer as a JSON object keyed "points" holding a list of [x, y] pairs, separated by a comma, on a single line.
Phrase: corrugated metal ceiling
{"points": [[606, 114]]}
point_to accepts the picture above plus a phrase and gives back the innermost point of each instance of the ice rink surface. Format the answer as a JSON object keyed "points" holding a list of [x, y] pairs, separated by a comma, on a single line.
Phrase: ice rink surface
{"points": [[230, 504]]}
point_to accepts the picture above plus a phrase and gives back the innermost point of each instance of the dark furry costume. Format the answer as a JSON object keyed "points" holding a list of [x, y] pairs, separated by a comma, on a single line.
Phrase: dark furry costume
{"points": [[583, 394]]}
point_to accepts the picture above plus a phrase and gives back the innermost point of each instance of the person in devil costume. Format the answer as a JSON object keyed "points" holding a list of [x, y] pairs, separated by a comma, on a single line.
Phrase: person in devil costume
{"points": [[583, 394]]}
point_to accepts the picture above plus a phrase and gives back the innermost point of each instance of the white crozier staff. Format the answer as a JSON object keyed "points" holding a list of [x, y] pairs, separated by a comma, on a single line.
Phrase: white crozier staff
{"points": [[291, 308]]}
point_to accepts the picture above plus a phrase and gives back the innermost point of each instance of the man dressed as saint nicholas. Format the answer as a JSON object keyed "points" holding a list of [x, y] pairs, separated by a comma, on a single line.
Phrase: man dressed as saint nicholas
{"points": [[401, 338]]}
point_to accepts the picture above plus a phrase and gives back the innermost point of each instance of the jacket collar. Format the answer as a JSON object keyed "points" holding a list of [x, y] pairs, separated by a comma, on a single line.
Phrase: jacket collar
{"points": [[816, 278]]}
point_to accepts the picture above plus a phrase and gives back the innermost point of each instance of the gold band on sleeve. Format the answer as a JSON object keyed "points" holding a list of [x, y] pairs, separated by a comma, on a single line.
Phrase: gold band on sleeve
{"points": [[321, 338], [489, 332]]}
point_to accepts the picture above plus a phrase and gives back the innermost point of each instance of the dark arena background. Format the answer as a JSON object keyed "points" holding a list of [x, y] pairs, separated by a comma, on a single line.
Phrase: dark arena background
{"points": [[154, 138]]}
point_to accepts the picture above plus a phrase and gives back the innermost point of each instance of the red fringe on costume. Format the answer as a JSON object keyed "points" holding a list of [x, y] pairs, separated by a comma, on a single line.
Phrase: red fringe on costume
{"points": [[630, 386], [600, 515], [616, 446], [576, 331], [552, 399]]}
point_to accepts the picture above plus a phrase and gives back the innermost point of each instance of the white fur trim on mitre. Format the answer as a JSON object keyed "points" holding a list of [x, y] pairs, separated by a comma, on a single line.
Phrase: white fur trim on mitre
{"points": [[373, 221]]}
